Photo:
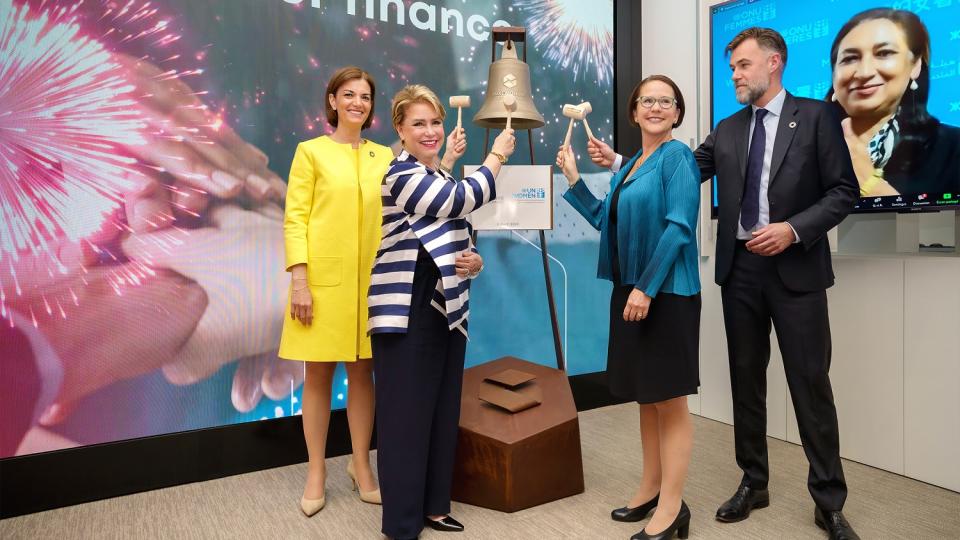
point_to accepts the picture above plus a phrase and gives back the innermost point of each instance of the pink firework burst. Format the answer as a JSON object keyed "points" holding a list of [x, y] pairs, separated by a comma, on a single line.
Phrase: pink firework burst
{"points": [[65, 109]]}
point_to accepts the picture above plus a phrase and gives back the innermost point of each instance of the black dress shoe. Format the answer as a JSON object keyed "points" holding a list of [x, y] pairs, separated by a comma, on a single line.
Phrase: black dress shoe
{"points": [[738, 507], [835, 524], [631, 515], [680, 527], [447, 524]]}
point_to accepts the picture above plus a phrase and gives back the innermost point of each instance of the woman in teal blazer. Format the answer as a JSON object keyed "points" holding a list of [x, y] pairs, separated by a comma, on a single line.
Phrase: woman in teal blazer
{"points": [[648, 250]]}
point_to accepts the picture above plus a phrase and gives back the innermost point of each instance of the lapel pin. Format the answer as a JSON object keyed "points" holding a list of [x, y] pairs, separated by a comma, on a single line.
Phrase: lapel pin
{"points": [[793, 125]]}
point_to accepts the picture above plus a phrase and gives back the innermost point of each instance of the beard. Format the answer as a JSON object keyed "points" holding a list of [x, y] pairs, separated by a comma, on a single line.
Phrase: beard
{"points": [[753, 91]]}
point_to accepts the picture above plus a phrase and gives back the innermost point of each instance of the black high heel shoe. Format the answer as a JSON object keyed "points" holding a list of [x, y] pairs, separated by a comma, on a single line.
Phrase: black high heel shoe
{"points": [[680, 527], [447, 524], [630, 515]]}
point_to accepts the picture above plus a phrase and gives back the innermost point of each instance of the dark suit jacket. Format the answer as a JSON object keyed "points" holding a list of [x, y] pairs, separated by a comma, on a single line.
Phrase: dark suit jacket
{"points": [[812, 186]]}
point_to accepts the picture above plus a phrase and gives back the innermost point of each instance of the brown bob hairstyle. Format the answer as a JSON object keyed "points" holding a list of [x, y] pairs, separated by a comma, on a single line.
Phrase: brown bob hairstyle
{"points": [[635, 95], [341, 77]]}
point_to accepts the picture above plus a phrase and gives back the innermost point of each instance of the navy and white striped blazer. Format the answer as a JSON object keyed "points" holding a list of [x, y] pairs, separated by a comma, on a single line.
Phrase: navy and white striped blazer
{"points": [[423, 206]]}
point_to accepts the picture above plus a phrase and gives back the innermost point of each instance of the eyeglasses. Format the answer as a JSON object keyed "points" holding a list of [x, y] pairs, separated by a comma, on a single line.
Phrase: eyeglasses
{"points": [[665, 102]]}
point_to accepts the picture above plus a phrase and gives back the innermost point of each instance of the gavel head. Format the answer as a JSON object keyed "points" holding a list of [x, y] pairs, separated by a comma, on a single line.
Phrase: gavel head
{"points": [[586, 107], [574, 112], [457, 102], [510, 103]]}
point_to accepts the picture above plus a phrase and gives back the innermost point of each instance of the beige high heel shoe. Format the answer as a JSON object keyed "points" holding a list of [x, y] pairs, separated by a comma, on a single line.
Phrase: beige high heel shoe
{"points": [[310, 507], [372, 497]]}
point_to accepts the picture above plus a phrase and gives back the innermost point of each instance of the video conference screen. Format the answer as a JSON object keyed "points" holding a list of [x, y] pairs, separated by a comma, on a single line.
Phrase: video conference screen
{"points": [[144, 150], [890, 69]]}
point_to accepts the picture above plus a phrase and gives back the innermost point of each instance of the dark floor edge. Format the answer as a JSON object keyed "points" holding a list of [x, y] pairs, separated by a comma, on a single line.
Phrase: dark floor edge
{"points": [[39, 482]]}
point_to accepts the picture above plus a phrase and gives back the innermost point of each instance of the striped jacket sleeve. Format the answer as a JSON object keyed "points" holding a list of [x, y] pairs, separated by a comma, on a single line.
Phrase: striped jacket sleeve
{"points": [[419, 192]]}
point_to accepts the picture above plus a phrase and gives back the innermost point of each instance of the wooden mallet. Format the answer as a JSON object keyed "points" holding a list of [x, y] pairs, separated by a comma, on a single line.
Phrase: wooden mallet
{"points": [[587, 109], [572, 112], [509, 103], [459, 102]]}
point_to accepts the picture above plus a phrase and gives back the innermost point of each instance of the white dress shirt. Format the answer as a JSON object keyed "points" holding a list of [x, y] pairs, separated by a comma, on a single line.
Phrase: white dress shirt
{"points": [[770, 123]]}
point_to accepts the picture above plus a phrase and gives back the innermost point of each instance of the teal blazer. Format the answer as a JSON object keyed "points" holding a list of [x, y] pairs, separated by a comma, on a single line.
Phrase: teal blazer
{"points": [[656, 222]]}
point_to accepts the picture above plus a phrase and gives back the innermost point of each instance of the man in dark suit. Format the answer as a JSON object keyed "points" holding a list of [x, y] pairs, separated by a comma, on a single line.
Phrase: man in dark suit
{"points": [[784, 179]]}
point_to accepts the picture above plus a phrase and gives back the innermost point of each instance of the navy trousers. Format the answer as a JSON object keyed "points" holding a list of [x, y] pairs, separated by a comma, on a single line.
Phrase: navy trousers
{"points": [[419, 376]]}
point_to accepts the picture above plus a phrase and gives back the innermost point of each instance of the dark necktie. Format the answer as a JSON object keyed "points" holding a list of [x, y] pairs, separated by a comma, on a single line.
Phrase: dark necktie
{"points": [[750, 207]]}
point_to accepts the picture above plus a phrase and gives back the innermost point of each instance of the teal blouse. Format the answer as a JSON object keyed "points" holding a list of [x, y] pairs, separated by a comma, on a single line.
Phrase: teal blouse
{"points": [[656, 221]]}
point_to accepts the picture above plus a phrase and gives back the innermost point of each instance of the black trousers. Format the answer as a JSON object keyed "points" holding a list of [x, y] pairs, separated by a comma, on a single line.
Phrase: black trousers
{"points": [[419, 376], [753, 296]]}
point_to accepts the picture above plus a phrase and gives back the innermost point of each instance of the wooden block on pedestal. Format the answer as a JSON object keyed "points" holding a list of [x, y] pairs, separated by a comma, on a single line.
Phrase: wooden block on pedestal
{"points": [[512, 461]]}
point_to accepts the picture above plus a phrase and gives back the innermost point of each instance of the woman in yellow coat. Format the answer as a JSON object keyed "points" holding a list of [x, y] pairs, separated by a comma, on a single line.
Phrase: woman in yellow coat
{"points": [[332, 230]]}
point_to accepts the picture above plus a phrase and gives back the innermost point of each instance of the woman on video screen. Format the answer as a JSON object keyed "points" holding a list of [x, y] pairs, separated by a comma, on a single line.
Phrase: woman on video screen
{"points": [[881, 79]]}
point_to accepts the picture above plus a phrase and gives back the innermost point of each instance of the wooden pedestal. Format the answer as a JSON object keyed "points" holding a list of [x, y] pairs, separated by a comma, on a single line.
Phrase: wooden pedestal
{"points": [[510, 462]]}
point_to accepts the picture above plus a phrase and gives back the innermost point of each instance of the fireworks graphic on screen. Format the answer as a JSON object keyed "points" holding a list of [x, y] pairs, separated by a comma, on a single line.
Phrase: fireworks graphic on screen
{"points": [[574, 34], [64, 110], [67, 112]]}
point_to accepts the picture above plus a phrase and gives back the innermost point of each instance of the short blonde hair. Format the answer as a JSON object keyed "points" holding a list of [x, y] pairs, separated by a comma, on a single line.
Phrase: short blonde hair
{"points": [[414, 93]]}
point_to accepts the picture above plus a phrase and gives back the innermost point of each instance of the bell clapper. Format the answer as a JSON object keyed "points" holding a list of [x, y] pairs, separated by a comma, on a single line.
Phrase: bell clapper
{"points": [[509, 103]]}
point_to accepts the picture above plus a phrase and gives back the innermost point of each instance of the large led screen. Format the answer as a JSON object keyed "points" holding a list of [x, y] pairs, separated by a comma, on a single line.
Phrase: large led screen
{"points": [[144, 149]]}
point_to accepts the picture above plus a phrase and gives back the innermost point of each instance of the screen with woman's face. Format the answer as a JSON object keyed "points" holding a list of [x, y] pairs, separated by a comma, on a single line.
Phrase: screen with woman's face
{"points": [[899, 103]]}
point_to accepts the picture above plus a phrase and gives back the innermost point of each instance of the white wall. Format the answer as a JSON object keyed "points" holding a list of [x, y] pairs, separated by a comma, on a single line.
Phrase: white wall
{"points": [[894, 318]]}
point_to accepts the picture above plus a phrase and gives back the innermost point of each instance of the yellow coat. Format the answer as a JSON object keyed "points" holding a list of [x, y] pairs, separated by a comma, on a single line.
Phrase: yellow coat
{"points": [[332, 223]]}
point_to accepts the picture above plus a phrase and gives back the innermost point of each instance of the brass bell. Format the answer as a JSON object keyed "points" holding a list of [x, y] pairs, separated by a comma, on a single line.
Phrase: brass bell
{"points": [[508, 76]]}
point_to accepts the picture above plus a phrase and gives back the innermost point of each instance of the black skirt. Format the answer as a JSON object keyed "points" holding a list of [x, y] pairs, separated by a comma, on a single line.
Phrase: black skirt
{"points": [[657, 358]]}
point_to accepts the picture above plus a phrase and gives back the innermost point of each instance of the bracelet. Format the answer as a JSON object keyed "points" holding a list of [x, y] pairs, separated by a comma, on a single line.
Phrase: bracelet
{"points": [[446, 169], [876, 177], [298, 289], [499, 156]]}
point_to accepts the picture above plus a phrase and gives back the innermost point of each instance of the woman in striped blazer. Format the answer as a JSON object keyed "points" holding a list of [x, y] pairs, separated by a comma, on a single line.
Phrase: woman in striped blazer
{"points": [[419, 303]]}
